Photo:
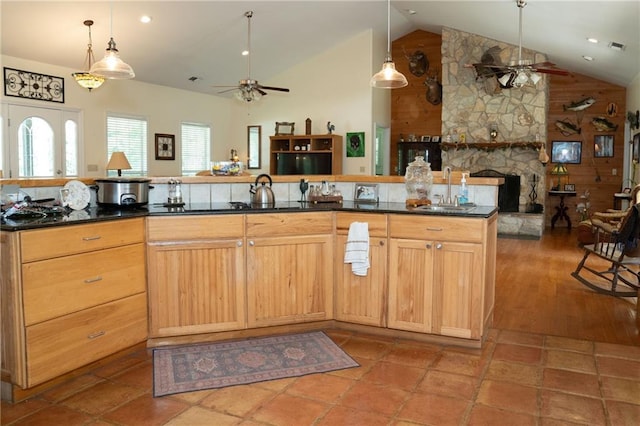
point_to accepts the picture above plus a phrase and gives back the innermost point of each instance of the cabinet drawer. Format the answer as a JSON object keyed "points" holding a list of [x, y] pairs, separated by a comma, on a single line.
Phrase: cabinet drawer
{"points": [[65, 240], [63, 344], [195, 227], [436, 228], [56, 287], [377, 223], [279, 224]]}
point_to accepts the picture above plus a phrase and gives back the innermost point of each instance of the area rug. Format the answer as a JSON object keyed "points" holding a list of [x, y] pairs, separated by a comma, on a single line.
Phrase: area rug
{"points": [[188, 368]]}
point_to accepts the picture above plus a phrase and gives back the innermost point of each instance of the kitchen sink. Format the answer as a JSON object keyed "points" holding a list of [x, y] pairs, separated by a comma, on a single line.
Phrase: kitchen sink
{"points": [[447, 208]]}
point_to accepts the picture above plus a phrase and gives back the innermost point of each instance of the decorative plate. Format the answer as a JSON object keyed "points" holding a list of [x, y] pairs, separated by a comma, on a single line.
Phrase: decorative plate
{"points": [[79, 195]]}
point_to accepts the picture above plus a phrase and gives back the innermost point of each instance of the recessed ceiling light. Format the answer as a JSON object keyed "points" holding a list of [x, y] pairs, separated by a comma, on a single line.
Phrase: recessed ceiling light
{"points": [[587, 58], [245, 53], [145, 19], [411, 11], [592, 40], [617, 46]]}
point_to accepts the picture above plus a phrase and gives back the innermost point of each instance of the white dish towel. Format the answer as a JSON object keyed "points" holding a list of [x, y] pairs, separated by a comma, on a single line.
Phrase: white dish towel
{"points": [[357, 248]]}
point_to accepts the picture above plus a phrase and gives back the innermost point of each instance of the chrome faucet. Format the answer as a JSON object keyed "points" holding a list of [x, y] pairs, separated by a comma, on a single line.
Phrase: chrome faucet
{"points": [[447, 172]]}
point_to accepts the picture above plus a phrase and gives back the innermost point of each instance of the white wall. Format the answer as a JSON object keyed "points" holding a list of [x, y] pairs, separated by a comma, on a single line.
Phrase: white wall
{"points": [[333, 86]]}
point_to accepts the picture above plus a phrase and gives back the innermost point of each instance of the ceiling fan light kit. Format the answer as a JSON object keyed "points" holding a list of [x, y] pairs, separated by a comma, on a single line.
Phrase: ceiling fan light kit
{"points": [[388, 77], [85, 79], [111, 66]]}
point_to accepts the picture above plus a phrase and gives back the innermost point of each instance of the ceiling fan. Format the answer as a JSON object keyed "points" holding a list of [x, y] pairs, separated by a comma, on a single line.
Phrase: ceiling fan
{"points": [[519, 73], [249, 90]]}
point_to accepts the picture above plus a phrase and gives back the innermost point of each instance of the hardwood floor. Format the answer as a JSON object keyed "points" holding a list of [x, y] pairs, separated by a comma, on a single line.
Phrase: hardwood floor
{"points": [[536, 293]]}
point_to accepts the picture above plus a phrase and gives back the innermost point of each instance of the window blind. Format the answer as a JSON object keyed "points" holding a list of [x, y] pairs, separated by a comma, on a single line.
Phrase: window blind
{"points": [[129, 135], [196, 148]]}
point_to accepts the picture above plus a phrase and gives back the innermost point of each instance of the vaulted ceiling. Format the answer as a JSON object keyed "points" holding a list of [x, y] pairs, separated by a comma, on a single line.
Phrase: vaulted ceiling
{"points": [[203, 39]]}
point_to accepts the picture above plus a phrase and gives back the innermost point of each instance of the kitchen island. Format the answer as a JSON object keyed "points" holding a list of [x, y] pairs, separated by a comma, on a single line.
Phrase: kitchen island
{"points": [[214, 272]]}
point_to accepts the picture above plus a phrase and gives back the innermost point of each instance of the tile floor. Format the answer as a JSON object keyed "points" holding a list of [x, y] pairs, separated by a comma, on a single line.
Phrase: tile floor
{"points": [[516, 379]]}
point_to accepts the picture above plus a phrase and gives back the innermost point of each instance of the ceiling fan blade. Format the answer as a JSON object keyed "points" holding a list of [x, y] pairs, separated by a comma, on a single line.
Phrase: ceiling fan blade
{"points": [[262, 92], [555, 71], [227, 90], [279, 89]]}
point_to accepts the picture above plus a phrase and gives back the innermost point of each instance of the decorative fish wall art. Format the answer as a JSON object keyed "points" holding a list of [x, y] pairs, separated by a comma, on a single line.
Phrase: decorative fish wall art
{"points": [[603, 125], [580, 105], [567, 128]]}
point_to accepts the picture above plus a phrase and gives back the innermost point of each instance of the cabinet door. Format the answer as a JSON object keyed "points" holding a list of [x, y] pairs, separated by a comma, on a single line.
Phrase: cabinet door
{"points": [[196, 287], [410, 285], [289, 279], [361, 299], [458, 290]]}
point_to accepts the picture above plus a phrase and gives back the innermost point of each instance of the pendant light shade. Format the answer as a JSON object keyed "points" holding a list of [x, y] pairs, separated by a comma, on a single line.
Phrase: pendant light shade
{"points": [[388, 77], [111, 66], [84, 78]]}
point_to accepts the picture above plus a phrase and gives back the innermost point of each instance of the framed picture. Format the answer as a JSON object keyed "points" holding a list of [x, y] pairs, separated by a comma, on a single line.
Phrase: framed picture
{"points": [[425, 139], [569, 187], [284, 128], [568, 152], [165, 146], [603, 146], [366, 193], [355, 144], [435, 139]]}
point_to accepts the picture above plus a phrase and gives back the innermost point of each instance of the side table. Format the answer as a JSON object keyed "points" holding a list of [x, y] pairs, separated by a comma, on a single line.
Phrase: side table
{"points": [[561, 209]]}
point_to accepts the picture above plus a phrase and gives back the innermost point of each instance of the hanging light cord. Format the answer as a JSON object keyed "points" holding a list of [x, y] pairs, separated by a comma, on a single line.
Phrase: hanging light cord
{"points": [[389, 29], [521, 5]]}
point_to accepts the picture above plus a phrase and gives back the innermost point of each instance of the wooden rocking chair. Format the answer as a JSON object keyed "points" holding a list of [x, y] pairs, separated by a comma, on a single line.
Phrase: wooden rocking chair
{"points": [[618, 244]]}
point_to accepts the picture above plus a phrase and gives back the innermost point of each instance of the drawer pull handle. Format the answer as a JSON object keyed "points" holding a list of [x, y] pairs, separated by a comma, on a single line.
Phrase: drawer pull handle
{"points": [[381, 243], [95, 237], [92, 280], [239, 244], [434, 229], [252, 243], [439, 246], [96, 335]]}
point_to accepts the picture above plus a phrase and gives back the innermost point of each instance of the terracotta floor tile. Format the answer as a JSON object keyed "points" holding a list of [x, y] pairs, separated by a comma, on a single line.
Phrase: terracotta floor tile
{"points": [[434, 410], [73, 386], [412, 355], [398, 375], [102, 397], [460, 363], [12, 412], [374, 397], [323, 387], [345, 416], [121, 364], [619, 351], [55, 415], [237, 400], [518, 353], [568, 344], [546, 421], [146, 411], [567, 360], [448, 384], [202, 416], [191, 397], [287, 410], [530, 375], [274, 385], [520, 338], [98, 422], [484, 415], [621, 390], [367, 347], [572, 408], [357, 372], [617, 367], [621, 413], [571, 382], [509, 396], [140, 376]]}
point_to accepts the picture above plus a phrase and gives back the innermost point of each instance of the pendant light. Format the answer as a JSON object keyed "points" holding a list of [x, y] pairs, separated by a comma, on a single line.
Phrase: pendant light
{"points": [[388, 77], [84, 78], [111, 66]]}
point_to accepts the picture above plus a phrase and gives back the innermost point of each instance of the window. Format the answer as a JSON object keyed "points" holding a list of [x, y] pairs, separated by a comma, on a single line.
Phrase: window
{"points": [[129, 135], [196, 148]]}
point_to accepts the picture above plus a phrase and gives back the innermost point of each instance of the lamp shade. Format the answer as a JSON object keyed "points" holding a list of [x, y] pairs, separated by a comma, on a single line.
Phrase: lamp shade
{"points": [[559, 169], [388, 77], [111, 66], [118, 161]]}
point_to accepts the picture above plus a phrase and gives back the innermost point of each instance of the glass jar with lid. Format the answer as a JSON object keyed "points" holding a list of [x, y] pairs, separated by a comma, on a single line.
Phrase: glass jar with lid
{"points": [[419, 181]]}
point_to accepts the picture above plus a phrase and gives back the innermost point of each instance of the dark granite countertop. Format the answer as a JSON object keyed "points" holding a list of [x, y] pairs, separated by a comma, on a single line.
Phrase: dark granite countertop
{"points": [[94, 214]]}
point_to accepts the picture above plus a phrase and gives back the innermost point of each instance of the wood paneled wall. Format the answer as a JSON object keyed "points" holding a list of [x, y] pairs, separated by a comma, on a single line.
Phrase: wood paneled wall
{"points": [[411, 113], [594, 174]]}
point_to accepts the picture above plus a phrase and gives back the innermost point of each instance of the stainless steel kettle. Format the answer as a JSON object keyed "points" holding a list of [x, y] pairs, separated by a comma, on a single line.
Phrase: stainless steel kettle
{"points": [[262, 195]]}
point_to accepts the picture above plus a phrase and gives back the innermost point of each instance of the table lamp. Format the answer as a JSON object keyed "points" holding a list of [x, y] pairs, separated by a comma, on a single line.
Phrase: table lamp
{"points": [[118, 161], [560, 169]]}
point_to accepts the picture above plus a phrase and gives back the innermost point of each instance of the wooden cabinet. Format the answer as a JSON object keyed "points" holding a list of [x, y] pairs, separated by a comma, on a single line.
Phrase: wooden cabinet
{"points": [[361, 299], [289, 268], [196, 274], [407, 152], [306, 155], [441, 275], [71, 295]]}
